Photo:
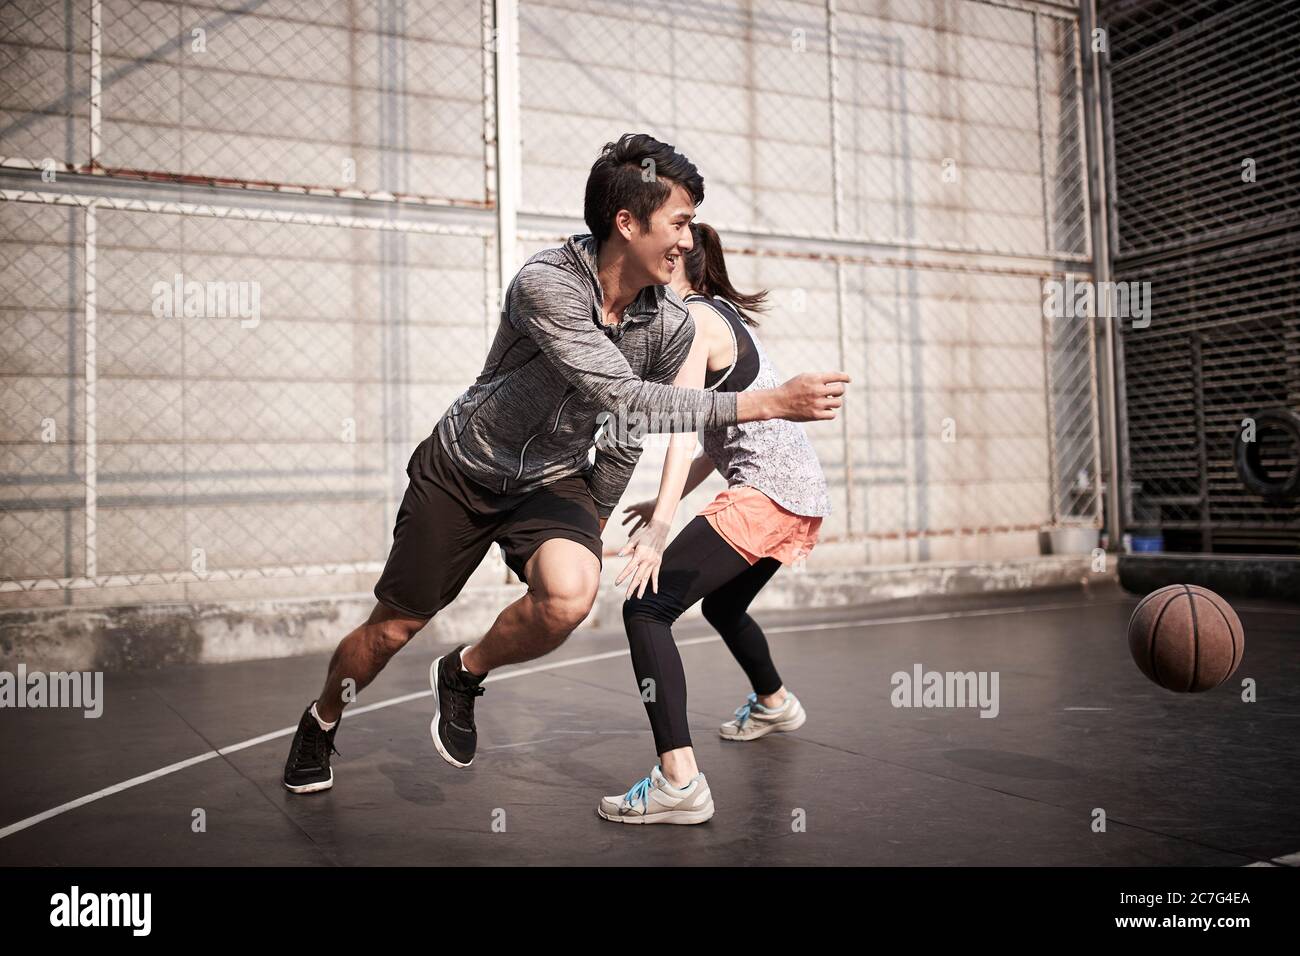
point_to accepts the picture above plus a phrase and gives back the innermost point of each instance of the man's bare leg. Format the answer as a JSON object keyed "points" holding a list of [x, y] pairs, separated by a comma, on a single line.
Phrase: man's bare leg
{"points": [[563, 577], [362, 655]]}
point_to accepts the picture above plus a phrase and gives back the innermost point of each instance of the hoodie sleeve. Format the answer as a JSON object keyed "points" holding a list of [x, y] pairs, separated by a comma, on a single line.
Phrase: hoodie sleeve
{"points": [[616, 458], [551, 307]]}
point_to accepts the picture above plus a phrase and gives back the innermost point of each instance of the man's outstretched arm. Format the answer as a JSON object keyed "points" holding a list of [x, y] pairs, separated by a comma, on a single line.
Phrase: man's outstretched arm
{"points": [[549, 306]]}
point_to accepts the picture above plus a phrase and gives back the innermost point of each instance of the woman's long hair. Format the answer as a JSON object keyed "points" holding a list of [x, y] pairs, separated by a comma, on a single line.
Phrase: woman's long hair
{"points": [[706, 269]]}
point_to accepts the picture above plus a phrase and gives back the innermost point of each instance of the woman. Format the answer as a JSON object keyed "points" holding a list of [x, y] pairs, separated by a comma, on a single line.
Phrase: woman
{"points": [[769, 515]]}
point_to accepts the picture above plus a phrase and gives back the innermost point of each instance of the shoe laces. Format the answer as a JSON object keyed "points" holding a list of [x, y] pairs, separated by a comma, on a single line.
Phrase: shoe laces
{"points": [[320, 742], [460, 702], [640, 791], [743, 712]]}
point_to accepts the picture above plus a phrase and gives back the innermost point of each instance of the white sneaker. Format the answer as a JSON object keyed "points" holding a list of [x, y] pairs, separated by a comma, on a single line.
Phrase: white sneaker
{"points": [[655, 800], [753, 720]]}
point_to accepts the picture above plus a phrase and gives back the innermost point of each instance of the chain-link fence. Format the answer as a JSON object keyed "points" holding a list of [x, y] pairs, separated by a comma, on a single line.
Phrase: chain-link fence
{"points": [[251, 252], [903, 182], [1205, 101]]}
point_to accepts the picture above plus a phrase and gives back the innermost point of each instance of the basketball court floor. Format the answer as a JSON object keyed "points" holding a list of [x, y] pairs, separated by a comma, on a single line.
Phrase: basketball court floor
{"points": [[183, 767]]}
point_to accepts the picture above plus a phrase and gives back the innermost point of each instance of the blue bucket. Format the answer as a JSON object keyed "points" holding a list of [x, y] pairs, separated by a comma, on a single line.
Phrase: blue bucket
{"points": [[1154, 542]]}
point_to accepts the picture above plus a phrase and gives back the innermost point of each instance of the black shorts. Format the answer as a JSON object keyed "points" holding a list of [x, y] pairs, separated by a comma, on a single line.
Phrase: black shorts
{"points": [[448, 521]]}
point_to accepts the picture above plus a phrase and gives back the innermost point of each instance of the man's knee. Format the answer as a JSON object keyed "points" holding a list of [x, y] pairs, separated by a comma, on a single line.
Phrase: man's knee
{"points": [[564, 605], [387, 637], [563, 578]]}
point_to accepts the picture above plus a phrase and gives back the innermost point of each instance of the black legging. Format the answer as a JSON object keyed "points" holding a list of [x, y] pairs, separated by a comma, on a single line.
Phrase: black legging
{"points": [[698, 564]]}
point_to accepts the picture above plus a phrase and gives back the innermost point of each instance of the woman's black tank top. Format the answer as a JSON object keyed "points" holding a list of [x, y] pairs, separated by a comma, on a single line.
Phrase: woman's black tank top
{"points": [[744, 369]]}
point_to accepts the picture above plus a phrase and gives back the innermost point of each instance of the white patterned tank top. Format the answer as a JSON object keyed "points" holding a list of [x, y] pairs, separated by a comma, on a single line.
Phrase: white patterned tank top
{"points": [[774, 456]]}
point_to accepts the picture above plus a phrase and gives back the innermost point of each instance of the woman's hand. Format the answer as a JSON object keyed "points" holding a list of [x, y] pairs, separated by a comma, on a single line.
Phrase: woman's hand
{"points": [[647, 549], [641, 512]]}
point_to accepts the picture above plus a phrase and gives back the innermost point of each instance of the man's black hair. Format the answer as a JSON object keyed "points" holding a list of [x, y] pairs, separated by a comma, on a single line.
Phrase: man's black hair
{"points": [[636, 173]]}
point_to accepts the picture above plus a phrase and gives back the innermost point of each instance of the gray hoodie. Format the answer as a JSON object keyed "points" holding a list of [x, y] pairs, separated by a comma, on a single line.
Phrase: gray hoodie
{"points": [[531, 416]]}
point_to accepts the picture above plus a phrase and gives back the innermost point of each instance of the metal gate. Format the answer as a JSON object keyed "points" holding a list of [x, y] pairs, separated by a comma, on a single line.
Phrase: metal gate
{"points": [[1205, 129]]}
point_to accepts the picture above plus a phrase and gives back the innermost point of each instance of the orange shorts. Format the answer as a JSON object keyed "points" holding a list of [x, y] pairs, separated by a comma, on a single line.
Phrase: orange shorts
{"points": [[757, 527]]}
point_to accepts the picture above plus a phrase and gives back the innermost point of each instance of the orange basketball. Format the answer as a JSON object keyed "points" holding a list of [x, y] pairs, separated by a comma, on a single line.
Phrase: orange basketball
{"points": [[1186, 638]]}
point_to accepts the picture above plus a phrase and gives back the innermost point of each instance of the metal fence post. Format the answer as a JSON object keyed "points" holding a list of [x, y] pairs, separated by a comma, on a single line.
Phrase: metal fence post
{"points": [[1096, 183]]}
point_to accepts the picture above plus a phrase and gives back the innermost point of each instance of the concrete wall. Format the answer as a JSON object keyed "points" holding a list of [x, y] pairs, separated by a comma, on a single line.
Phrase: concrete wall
{"points": [[237, 461], [744, 90], [235, 444]]}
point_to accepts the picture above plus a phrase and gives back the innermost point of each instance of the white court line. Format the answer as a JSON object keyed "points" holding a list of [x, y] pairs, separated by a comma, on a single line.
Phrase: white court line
{"points": [[287, 731], [106, 792], [492, 678]]}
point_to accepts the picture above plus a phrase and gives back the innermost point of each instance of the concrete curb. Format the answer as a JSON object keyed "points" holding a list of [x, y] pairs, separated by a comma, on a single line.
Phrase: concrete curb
{"points": [[137, 637], [1275, 577]]}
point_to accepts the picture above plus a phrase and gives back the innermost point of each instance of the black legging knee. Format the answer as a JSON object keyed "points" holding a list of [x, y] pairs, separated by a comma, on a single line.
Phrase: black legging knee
{"points": [[726, 609], [699, 564]]}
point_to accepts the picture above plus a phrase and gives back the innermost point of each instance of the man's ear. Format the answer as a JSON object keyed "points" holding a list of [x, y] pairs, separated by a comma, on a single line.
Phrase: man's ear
{"points": [[625, 224]]}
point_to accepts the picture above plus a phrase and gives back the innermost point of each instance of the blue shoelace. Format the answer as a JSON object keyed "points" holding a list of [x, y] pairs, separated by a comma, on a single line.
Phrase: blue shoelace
{"points": [[639, 791], [742, 712]]}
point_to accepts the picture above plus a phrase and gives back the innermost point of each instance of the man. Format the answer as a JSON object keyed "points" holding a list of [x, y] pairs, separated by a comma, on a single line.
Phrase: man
{"points": [[587, 328]]}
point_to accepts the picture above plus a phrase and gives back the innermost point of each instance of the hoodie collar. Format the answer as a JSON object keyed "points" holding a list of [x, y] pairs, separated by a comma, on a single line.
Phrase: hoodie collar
{"points": [[644, 308]]}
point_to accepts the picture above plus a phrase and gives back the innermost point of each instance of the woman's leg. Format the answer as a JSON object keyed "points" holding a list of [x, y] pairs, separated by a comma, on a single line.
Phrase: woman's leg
{"points": [[697, 562], [726, 609]]}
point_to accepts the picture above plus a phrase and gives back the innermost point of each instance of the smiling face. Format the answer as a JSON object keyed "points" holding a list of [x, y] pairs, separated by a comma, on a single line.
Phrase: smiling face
{"points": [[657, 252]]}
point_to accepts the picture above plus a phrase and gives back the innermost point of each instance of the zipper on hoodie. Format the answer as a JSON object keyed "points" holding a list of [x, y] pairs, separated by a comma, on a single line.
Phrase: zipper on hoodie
{"points": [[523, 451]]}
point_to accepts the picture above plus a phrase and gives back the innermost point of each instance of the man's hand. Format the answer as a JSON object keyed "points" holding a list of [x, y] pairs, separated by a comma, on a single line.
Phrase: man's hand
{"points": [[810, 397]]}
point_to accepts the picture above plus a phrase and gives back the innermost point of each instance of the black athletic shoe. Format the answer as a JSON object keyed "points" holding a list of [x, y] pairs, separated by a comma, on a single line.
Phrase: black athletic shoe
{"points": [[454, 690], [308, 768]]}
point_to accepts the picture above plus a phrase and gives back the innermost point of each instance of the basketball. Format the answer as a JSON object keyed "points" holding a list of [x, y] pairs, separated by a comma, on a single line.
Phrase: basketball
{"points": [[1186, 638]]}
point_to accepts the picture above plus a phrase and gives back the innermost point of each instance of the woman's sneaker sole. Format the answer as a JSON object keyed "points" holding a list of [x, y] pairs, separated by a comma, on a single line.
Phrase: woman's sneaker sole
{"points": [[433, 724], [668, 816]]}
